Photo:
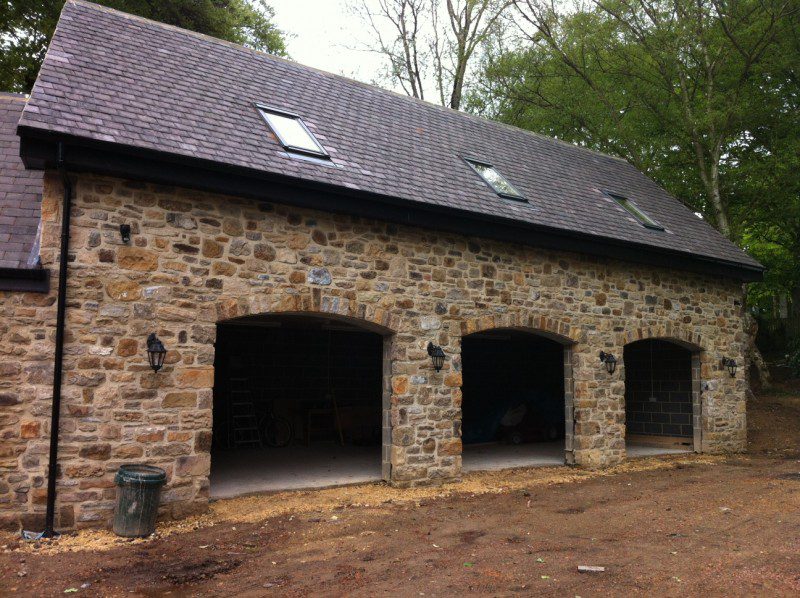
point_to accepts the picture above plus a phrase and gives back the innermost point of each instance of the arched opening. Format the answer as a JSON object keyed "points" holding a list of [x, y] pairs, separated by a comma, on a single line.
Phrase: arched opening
{"points": [[662, 396], [299, 402], [516, 404]]}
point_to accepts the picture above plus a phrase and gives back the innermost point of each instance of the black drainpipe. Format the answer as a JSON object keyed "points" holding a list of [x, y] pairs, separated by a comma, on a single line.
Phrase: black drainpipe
{"points": [[55, 415]]}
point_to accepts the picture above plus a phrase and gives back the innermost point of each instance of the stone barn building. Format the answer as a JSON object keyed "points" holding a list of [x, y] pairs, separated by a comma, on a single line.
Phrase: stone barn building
{"points": [[349, 285]]}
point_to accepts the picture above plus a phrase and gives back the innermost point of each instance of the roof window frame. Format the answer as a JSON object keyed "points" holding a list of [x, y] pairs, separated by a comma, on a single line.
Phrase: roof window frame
{"points": [[264, 110], [619, 199], [471, 162]]}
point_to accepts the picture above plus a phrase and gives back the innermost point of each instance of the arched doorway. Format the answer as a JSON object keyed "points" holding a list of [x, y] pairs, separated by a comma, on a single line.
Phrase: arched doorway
{"points": [[662, 397], [299, 402], [516, 405]]}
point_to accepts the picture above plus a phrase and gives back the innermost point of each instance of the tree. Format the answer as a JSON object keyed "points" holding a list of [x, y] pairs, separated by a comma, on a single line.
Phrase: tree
{"points": [[26, 27], [703, 95], [403, 46], [670, 85], [429, 43], [763, 175], [469, 23]]}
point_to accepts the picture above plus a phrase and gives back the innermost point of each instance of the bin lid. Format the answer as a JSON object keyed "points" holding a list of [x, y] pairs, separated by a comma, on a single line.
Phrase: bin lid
{"points": [[141, 473]]}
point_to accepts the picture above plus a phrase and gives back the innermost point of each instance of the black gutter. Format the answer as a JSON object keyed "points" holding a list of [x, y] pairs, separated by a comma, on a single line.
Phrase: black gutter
{"points": [[55, 414], [38, 150], [25, 280]]}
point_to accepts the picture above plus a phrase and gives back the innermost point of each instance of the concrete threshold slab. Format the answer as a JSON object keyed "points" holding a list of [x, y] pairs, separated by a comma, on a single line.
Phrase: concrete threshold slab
{"points": [[241, 472], [634, 451], [250, 471], [495, 456]]}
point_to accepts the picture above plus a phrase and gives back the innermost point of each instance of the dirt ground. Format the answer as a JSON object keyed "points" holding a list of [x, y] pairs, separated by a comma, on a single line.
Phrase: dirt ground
{"points": [[679, 525]]}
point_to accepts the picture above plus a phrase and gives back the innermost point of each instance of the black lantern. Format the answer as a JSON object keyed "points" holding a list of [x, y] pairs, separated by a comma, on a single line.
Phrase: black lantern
{"points": [[155, 352], [437, 356], [125, 232], [609, 360], [729, 363]]}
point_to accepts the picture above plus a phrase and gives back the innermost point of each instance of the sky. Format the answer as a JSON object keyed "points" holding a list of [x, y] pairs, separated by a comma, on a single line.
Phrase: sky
{"points": [[326, 35]]}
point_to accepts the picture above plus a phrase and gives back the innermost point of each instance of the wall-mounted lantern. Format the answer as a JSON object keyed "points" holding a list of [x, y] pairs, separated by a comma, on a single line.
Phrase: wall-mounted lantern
{"points": [[730, 364], [437, 356], [155, 352], [125, 232], [609, 360]]}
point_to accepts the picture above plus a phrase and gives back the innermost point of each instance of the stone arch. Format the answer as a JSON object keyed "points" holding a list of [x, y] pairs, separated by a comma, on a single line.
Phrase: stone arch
{"points": [[692, 342], [361, 323], [370, 316], [682, 336], [561, 332]]}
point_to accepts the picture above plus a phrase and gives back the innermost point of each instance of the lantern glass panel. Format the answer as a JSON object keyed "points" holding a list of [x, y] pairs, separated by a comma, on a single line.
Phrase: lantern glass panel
{"points": [[155, 352], [611, 364], [437, 356]]}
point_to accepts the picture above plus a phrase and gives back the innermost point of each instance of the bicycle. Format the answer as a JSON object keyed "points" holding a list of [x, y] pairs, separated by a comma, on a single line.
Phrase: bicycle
{"points": [[275, 431]]}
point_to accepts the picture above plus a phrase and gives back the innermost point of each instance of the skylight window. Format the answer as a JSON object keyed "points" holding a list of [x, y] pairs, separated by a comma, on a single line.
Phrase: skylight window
{"points": [[292, 132], [635, 211], [494, 179]]}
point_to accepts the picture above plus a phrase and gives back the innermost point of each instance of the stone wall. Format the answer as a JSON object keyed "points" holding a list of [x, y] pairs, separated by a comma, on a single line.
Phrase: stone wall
{"points": [[196, 259]]}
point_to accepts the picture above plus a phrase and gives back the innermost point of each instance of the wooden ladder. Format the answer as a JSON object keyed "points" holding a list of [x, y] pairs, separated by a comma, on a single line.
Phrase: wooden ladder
{"points": [[243, 421]]}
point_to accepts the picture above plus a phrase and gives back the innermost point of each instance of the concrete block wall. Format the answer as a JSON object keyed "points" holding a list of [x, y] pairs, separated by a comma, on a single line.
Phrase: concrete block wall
{"points": [[658, 389]]}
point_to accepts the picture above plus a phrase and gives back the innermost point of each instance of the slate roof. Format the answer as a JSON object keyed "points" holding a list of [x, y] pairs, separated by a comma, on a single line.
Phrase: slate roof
{"points": [[20, 191], [125, 80]]}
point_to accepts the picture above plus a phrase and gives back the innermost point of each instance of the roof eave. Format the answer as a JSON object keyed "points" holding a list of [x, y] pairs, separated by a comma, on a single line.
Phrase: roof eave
{"points": [[25, 280], [38, 149]]}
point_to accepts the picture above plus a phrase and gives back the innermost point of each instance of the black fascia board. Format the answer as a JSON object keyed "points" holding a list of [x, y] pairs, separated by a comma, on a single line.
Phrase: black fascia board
{"points": [[38, 151], [25, 280]]}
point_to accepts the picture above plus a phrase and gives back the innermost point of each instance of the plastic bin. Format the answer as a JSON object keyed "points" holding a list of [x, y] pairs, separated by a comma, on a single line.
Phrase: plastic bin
{"points": [[138, 495]]}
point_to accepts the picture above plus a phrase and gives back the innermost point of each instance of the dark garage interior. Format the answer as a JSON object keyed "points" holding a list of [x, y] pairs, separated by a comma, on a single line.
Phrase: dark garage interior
{"points": [[513, 411], [658, 394], [297, 403]]}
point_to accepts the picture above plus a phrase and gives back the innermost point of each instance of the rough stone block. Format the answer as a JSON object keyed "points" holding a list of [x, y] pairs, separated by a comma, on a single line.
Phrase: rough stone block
{"points": [[180, 399], [136, 258], [97, 452], [194, 465]]}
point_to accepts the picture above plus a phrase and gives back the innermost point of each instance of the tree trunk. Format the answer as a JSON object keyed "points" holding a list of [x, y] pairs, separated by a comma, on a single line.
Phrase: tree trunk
{"points": [[754, 357], [794, 310], [717, 205], [458, 85]]}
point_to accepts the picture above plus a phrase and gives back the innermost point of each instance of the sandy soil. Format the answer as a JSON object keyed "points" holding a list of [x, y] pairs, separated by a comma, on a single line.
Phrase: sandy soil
{"points": [[681, 525]]}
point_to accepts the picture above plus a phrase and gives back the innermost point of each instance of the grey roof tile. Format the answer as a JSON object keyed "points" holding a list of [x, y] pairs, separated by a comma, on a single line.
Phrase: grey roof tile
{"points": [[20, 191], [119, 78]]}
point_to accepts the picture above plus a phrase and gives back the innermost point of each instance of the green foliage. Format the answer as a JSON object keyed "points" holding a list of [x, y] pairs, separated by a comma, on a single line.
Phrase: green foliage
{"points": [[763, 178], [702, 95], [26, 27]]}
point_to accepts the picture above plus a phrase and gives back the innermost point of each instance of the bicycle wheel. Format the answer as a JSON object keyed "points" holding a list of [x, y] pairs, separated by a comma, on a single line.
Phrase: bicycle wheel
{"points": [[277, 432]]}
